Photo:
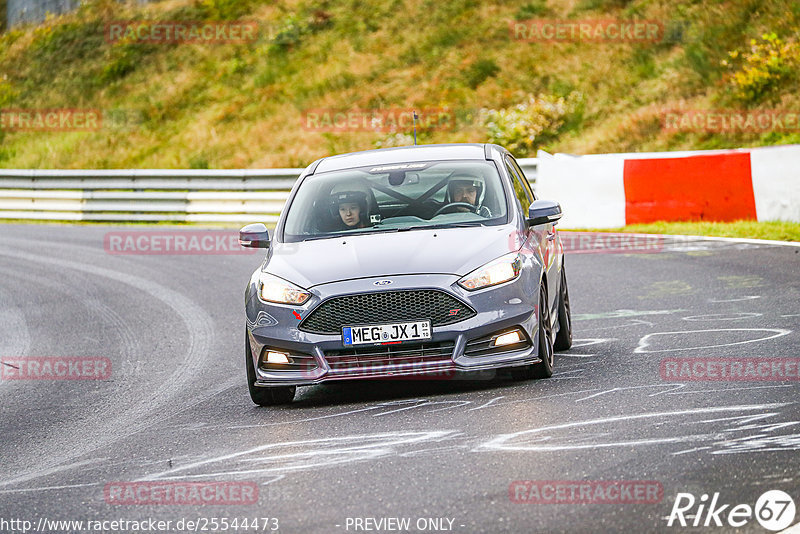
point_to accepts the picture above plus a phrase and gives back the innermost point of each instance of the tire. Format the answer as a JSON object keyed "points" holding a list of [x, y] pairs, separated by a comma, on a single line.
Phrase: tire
{"points": [[544, 369], [564, 336], [261, 395]]}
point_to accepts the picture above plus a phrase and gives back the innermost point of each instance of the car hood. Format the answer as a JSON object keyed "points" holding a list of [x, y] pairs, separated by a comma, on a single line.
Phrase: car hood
{"points": [[456, 251]]}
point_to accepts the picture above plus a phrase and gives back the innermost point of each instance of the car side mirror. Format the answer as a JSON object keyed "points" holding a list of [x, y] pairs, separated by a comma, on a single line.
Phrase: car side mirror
{"points": [[254, 236], [543, 212]]}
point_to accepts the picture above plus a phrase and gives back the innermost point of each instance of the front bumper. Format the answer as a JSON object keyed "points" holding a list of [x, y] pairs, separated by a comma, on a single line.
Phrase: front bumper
{"points": [[501, 308]]}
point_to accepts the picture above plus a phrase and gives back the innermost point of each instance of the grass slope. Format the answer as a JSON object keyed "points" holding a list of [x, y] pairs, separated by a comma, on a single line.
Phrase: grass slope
{"points": [[242, 105]]}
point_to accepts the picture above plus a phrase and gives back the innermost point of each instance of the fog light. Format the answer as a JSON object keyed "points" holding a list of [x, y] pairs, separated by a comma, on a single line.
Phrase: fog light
{"points": [[508, 339], [277, 357]]}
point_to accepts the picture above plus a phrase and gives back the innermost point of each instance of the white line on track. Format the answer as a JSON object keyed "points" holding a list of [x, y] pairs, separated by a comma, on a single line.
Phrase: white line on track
{"points": [[488, 403], [644, 342], [501, 442], [152, 406], [313, 453]]}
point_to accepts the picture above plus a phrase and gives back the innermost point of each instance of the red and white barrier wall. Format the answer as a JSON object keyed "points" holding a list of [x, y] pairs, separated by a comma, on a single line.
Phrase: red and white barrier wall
{"points": [[610, 190]]}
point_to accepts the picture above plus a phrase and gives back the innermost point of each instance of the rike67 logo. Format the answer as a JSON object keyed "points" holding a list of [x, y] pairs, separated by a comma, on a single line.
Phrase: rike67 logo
{"points": [[774, 510]]}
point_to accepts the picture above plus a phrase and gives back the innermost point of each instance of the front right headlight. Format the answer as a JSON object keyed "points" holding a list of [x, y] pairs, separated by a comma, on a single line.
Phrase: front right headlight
{"points": [[503, 269], [274, 289]]}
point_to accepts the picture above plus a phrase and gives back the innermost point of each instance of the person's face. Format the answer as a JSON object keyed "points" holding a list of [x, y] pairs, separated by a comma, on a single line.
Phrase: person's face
{"points": [[350, 213], [465, 193]]}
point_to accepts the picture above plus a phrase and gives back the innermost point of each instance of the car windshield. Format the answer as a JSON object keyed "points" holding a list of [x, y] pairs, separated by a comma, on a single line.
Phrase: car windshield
{"points": [[396, 197]]}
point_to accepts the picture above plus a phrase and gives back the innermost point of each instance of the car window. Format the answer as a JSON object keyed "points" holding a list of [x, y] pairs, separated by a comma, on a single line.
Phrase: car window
{"points": [[520, 190], [525, 183], [394, 197]]}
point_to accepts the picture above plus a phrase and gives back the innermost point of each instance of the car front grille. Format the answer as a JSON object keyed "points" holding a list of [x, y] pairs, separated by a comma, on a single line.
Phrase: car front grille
{"points": [[386, 307], [380, 359]]}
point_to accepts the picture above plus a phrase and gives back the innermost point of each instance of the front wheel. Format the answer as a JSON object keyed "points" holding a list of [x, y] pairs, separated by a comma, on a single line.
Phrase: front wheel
{"points": [[546, 354], [544, 369], [261, 395], [564, 336]]}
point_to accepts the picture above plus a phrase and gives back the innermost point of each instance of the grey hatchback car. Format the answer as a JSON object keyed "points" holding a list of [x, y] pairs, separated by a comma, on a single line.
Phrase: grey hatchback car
{"points": [[421, 261]]}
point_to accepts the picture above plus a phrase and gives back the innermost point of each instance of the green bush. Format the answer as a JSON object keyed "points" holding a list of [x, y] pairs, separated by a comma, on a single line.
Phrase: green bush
{"points": [[479, 71], [769, 65], [6, 40], [710, 34], [6, 153], [537, 8], [225, 9], [7, 93], [288, 36], [198, 161], [122, 60], [60, 53], [269, 74], [68, 42], [601, 5], [527, 126], [644, 64]]}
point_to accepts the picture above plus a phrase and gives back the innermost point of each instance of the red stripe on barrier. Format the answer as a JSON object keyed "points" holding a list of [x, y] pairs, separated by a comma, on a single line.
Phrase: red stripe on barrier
{"points": [[696, 188]]}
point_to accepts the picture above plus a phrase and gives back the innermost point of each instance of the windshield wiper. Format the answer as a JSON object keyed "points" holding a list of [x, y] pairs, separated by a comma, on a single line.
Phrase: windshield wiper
{"points": [[462, 224], [378, 230], [443, 225], [315, 237], [375, 230]]}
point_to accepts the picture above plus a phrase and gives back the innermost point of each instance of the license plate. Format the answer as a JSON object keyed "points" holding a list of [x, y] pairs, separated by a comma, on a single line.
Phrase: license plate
{"points": [[386, 333]]}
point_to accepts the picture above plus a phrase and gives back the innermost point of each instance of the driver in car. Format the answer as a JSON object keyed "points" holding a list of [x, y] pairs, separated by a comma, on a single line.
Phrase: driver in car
{"points": [[469, 190]]}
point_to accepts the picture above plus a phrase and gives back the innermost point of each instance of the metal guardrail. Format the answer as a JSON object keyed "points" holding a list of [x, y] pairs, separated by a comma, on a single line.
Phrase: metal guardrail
{"points": [[35, 11], [194, 196]]}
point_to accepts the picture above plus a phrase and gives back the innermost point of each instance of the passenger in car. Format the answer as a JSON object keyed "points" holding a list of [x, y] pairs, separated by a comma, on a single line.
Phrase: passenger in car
{"points": [[350, 209]]}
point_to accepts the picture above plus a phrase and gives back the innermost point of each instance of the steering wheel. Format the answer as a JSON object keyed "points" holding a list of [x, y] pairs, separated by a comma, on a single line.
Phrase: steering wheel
{"points": [[472, 208]]}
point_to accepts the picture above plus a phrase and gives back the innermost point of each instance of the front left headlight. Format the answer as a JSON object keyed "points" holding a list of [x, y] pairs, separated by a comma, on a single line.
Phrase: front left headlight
{"points": [[274, 289], [503, 269]]}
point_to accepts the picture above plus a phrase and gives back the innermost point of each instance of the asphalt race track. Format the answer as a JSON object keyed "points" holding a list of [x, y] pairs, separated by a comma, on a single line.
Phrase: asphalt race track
{"points": [[445, 455]]}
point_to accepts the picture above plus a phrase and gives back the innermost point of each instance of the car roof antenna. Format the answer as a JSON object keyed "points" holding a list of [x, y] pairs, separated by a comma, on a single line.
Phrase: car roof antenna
{"points": [[415, 127]]}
